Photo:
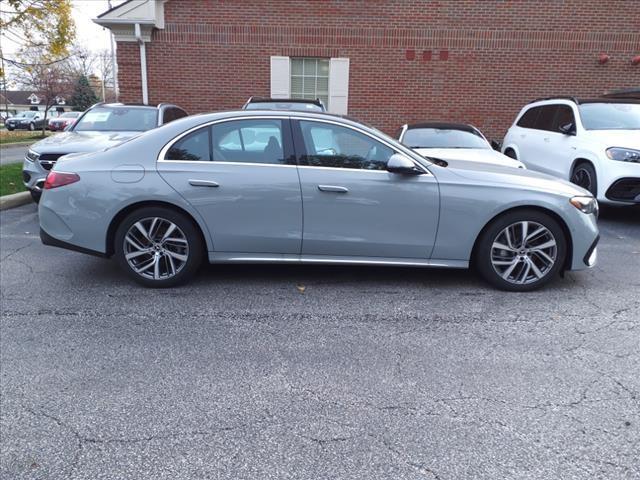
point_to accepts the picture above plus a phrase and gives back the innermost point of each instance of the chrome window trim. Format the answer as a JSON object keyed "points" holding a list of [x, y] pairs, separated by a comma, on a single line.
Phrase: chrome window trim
{"points": [[207, 162], [370, 135], [169, 144]]}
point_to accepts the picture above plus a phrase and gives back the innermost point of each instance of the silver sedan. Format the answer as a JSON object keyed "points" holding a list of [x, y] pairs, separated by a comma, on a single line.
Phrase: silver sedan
{"points": [[295, 187]]}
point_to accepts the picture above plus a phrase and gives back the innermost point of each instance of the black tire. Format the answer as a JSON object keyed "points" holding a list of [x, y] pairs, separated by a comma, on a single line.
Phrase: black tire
{"points": [[484, 254], [194, 253], [10, 129], [36, 195], [510, 153], [32, 127], [584, 175]]}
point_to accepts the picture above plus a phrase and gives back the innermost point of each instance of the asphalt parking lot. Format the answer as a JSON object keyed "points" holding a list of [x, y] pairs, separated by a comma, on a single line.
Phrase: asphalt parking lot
{"points": [[257, 372]]}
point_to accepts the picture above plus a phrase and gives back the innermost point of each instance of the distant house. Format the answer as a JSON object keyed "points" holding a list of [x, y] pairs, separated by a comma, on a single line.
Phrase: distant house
{"points": [[14, 101]]}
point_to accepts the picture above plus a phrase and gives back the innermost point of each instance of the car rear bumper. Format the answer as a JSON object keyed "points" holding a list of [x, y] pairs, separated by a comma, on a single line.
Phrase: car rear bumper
{"points": [[55, 242]]}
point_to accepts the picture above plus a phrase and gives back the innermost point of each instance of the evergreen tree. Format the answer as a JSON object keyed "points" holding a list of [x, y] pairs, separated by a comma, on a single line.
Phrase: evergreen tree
{"points": [[83, 95]]}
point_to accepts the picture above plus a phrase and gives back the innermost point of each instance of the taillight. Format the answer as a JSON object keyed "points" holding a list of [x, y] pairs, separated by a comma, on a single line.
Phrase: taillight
{"points": [[60, 179]]}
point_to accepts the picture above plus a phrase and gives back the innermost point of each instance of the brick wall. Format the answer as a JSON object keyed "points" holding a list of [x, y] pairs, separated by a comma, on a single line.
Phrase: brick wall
{"points": [[466, 60]]}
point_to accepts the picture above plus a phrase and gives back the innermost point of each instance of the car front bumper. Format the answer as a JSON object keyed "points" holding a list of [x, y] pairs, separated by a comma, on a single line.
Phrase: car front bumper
{"points": [[584, 239], [33, 175], [619, 183]]}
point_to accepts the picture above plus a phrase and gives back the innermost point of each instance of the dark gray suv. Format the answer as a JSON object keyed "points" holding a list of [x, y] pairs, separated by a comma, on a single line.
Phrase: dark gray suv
{"points": [[101, 126]]}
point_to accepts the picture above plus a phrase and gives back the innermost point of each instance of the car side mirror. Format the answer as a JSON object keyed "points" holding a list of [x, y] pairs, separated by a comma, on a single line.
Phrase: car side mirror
{"points": [[496, 145], [568, 128], [401, 164]]}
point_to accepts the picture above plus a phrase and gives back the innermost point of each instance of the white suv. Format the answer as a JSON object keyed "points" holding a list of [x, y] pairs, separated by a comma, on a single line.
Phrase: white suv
{"points": [[593, 143]]}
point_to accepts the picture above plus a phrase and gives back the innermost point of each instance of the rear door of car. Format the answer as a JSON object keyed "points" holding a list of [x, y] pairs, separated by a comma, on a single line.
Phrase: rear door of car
{"points": [[354, 207], [539, 145], [522, 133], [240, 174]]}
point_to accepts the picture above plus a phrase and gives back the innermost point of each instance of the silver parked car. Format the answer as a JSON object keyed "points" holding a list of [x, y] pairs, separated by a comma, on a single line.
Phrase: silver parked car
{"points": [[309, 188]]}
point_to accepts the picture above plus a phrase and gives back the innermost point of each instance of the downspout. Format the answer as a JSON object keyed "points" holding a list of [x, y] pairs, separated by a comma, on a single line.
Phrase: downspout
{"points": [[143, 64]]}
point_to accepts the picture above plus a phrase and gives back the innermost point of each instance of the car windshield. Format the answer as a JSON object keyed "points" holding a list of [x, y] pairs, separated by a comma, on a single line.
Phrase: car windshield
{"points": [[610, 116], [118, 119], [70, 115], [26, 114], [298, 106], [443, 138]]}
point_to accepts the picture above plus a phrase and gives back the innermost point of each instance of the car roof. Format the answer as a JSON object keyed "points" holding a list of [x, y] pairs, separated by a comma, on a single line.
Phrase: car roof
{"points": [[284, 100], [581, 101], [443, 126], [134, 105]]}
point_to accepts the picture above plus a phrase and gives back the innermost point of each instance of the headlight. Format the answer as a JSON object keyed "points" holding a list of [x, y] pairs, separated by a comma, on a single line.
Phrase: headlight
{"points": [[588, 205], [623, 154], [32, 156]]}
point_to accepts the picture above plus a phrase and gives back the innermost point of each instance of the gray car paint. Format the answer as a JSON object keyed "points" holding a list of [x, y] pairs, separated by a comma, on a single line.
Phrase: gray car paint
{"points": [[468, 197], [70, 142]]}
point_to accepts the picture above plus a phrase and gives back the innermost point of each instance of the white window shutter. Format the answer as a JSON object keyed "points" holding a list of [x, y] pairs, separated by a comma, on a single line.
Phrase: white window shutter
{"points": [[338, 85], [280, 77]]}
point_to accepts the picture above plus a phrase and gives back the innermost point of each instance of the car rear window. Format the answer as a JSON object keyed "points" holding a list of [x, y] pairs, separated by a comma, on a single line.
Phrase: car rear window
{"points": [[528, 120], [443, 138]]}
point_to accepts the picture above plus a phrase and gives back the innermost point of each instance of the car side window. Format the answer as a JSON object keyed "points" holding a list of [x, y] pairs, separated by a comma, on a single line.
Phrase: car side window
{"points": [[564, 116], [328, 145], [249, 141], [195, 146], [546, 117], [171, 114], [528, 120]]}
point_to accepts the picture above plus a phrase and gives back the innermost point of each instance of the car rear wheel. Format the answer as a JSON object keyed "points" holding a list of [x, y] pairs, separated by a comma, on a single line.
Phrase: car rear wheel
{"points": [[158, 247], [584, 175], [521, 250]]}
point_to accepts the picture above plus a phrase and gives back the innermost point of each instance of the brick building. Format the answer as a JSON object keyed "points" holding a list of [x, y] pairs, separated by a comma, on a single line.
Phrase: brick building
{"points": [[384, 62]]}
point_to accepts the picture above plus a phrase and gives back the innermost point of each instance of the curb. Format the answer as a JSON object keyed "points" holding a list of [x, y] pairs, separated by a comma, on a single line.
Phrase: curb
{"points": [[15, 200], [17, 144]]}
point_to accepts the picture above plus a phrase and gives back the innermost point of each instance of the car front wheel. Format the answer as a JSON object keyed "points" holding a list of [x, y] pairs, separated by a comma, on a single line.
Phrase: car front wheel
{"points": [[584, 175], [521, 251], [32, 127], [158, 247]]}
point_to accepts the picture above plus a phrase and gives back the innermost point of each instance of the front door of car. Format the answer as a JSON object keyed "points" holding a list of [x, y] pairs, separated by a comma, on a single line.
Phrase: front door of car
{"points": [[352, 205], [241, 177], [562, 142]]}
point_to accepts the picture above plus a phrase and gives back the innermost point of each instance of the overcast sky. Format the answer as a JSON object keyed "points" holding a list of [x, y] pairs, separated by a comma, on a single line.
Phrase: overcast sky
{"points": [[88, 34]]}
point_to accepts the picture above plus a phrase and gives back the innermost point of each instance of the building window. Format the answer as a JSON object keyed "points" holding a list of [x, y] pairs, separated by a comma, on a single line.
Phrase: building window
{"points": [[310, 79]]}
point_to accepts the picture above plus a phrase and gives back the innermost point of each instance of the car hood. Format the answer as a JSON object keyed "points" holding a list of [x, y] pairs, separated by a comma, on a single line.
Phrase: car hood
{"points": [[617, 138], [483, 155], [487, 174], [71, 142]]}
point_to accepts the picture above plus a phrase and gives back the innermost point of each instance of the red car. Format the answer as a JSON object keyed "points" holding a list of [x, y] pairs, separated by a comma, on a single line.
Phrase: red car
{"points": [[58, 124]]}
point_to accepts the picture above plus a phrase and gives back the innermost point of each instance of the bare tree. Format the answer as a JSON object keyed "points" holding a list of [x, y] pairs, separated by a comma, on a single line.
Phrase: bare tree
{"points": [[49, 81]]}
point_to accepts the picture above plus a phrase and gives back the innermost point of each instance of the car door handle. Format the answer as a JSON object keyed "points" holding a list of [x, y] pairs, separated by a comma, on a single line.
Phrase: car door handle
{"points": [[203, 183], [332, 188]]}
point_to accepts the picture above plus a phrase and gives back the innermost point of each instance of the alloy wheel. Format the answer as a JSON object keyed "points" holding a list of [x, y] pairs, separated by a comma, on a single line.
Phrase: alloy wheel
{"points": [[524, 252], [156, 248]]}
